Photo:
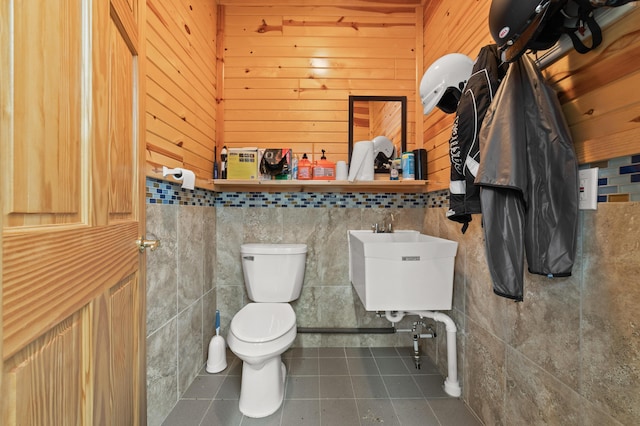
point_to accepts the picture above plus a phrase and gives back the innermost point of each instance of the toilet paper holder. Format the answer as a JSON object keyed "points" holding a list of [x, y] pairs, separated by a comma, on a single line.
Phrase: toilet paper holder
{"points": [[186, 176]]}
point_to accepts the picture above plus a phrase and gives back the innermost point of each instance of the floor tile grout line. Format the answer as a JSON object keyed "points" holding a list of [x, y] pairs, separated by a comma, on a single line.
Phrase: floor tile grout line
{"points": [[206, 411], [433, 412], [349, 373], [386, 389], [353, 389], [319, 391]]}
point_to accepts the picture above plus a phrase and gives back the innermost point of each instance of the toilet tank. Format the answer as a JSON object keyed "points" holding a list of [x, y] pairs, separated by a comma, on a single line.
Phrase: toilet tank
{"points": [[273, 272]]}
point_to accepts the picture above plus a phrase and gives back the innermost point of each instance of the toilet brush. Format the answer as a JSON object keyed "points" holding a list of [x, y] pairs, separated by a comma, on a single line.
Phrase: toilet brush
{"points": [[217, 360]]}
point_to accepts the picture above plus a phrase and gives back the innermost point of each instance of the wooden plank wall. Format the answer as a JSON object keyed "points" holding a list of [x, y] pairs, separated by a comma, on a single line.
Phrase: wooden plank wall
{"points": [[597, 90], [181, 86], [289, 69], [448, 28], [285, 73], [361, 121], [386, 119], [599, 93]]}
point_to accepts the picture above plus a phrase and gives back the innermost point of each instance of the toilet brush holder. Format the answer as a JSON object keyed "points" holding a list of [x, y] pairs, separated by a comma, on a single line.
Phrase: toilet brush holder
{"points": [[217, 359]]}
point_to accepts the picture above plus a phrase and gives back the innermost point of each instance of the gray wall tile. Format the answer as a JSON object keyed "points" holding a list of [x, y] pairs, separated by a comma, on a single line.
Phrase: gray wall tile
{"points": [[190, 251], [162, 373], [573, 345], [181, 300], [610, 335], [162, 266], [190, 345]]}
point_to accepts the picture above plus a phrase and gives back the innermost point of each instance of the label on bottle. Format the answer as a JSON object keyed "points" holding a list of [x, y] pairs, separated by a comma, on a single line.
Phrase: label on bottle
{"points": [[408, 166], [304, 172], [393, 174]]}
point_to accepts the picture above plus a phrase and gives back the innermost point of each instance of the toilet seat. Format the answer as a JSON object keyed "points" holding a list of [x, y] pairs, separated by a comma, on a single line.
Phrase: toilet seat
{"points": [[263, 322]]}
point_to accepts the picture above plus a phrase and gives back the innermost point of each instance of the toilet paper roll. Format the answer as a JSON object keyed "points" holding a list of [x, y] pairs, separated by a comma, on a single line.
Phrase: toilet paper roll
{"points": [[186, 176], [361, 166], [341, 170], [188, 179]]}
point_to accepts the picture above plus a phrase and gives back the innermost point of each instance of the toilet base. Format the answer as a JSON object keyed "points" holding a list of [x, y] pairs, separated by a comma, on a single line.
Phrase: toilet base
{"points": [[262, 389]]}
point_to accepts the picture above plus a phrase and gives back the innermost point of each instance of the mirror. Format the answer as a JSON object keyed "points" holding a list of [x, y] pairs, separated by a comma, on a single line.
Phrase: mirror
{"points": [[371, 116]]}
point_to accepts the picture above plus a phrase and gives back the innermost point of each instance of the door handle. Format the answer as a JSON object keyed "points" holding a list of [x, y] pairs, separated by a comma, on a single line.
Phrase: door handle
{"points": [[143, 243]]}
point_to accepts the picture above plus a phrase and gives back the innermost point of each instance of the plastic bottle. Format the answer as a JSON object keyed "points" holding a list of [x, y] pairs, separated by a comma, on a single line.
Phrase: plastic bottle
{"points": [[304, 168], [223, 162], [394, 172], [408, 166], [294, 167], [324, 169], [216, 175]]}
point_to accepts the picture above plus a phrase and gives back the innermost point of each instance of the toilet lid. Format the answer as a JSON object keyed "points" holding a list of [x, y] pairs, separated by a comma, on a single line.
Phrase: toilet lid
{"points": [[262, 322], [255, 248]]}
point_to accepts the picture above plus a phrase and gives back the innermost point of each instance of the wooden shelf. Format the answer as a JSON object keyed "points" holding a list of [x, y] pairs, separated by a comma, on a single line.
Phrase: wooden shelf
{"points": [[411, 186], [238, 185]]}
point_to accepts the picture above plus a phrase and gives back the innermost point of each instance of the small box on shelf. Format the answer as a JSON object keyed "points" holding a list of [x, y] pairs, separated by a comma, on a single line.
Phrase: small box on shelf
{"points": [[242, 163]]}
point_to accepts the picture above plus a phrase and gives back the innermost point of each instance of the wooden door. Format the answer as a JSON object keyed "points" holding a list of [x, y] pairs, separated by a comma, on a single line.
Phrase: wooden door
{"points": [[73, 311]]}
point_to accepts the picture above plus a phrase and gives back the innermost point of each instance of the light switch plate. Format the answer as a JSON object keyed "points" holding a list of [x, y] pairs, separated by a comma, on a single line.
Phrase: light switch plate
{"points": [[588, 195]]}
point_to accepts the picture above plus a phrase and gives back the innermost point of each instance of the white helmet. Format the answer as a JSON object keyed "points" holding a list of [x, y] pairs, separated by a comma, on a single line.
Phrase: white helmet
{"points": [[443, 82]]}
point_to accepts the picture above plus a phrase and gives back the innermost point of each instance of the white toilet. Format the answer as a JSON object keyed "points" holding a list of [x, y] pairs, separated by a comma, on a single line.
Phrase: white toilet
{"points": [[260, 332]]}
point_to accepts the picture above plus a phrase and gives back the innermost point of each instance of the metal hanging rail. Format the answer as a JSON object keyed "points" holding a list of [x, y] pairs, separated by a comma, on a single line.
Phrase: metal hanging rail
{"points": [[605, 17]]}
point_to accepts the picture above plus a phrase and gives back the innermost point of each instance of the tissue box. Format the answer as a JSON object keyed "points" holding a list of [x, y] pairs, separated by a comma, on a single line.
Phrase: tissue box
{"points": [[242, 163], [275, 163]]}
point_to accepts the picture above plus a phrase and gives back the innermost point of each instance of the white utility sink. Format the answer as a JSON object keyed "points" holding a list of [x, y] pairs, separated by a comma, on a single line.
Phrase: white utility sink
{"points": [[402, 270]]}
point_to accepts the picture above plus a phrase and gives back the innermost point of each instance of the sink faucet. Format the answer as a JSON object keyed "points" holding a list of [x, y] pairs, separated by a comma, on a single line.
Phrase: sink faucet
{"points": [[385, 227]]}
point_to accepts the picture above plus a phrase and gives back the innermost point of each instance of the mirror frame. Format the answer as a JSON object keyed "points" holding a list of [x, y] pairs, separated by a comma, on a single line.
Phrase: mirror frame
{"points": [[403, 117]]}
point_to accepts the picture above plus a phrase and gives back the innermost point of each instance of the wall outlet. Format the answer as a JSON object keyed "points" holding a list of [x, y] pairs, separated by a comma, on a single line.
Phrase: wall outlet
{"points": [[588, 196]]}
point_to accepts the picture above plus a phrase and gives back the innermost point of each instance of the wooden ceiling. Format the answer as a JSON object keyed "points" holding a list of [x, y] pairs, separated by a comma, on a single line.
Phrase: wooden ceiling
{"points": [[342, 3]]}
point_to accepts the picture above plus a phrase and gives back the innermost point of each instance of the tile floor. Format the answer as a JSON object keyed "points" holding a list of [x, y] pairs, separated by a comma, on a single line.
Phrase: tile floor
{"points": [[333, 387]]}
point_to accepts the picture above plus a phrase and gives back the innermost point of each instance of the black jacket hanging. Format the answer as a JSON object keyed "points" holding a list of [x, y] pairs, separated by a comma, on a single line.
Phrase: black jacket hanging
{"points": [[464, 196], [529, 182]]}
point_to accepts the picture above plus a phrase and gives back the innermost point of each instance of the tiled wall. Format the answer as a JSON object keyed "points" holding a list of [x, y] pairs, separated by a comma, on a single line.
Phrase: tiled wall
{"points": [[327, 299], [618, 179], [569, 354], [201, 233], [181, 300]]}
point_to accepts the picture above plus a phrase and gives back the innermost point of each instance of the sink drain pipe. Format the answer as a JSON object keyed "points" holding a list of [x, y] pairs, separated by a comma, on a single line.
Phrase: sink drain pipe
{"points": [[451, 383]]}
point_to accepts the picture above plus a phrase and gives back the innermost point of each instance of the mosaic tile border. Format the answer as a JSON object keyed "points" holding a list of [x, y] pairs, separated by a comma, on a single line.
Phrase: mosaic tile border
{"points": [[162, 192], [618, 179]]}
